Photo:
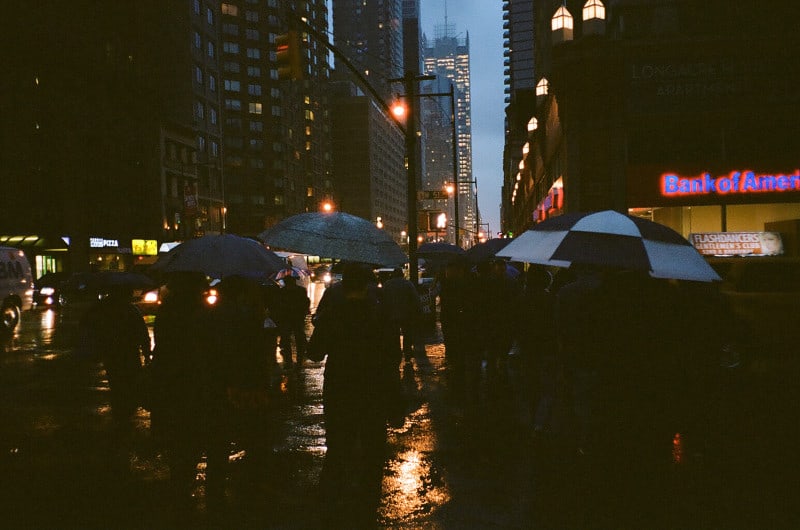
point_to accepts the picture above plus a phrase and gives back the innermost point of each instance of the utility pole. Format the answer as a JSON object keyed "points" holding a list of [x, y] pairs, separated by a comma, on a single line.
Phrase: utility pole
{"points": [[410, 81]]}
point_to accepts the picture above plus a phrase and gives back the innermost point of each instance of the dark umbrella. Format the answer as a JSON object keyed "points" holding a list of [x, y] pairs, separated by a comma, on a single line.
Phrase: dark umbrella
{"points": [[487, 249], [220, 256], [336, 235], [439, 251], [611, 239]]}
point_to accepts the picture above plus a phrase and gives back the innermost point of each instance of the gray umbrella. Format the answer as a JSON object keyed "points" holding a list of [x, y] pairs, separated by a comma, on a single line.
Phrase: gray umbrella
{"points": [[336, 235], [220, 256]]}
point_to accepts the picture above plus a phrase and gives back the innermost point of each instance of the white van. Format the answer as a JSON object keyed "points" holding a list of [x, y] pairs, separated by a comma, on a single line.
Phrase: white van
{"points": [[16, 287]]}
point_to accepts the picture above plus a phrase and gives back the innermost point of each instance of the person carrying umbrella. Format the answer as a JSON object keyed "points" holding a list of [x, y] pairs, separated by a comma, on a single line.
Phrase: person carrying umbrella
{"points": [[294, 307]]}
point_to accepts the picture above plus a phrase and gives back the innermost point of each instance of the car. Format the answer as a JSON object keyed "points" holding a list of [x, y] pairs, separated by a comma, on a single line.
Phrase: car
{"points": [[16, 288], [47, 288], [79, 292], [763, 295], [327, 273]]}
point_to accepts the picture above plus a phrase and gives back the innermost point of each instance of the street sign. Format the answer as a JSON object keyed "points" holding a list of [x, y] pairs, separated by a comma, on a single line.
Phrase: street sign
{"points": [[432, 194]]}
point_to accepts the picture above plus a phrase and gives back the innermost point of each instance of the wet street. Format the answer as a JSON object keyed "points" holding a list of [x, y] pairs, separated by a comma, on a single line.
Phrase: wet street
{"points": [[456, 463]]}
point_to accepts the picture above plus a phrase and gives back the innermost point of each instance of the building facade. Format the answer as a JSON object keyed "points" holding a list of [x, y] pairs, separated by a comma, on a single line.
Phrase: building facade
{"points": [[680, 112]]}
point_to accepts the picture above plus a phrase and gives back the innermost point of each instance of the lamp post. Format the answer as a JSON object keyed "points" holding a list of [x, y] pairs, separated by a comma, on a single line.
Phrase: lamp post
{"points": [[410, 81]]}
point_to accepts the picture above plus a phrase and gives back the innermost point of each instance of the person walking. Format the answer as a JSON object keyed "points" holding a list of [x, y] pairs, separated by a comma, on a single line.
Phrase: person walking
{"points": [[295, 306], [115, 334], [188, 413], [404, 310], [361, 387]]}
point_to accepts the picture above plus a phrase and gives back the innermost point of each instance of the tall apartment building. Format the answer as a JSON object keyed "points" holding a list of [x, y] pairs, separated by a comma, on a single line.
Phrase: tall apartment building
{"points": [[369, 167], [447, 57], [278, 158], [520, 84]]}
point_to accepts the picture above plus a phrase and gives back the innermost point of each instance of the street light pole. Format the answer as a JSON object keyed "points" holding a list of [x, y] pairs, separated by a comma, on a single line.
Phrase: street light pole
{"points": [[410, 81]]}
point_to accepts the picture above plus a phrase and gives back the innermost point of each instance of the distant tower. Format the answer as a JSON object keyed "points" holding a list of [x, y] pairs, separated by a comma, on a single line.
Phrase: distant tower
{"points": [[447, 57]]}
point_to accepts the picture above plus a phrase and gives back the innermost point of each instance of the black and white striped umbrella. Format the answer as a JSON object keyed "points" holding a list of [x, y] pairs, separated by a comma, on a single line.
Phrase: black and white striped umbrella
{"points": [[611, 239]]}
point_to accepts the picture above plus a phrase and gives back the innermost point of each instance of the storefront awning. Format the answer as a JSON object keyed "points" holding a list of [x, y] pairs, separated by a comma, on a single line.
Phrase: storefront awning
{"points": [[35, 242]]}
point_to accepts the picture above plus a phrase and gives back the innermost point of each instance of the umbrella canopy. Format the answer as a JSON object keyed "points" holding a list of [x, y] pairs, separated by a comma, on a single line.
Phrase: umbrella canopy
{"points": [[291, 272], [336, 235], [611, 239], [439, 251], [220, 256], [486, 250]]}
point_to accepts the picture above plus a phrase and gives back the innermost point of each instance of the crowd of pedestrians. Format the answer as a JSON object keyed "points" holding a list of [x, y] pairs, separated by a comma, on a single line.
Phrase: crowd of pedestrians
{"points": [[593, 353]]}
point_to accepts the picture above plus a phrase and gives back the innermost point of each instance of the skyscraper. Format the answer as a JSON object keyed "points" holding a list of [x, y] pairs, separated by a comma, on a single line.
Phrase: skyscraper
{"points": [[447, 57]]}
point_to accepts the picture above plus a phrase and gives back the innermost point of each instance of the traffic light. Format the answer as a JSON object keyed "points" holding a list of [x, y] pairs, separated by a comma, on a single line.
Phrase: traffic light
{"points": [[288, 56]]}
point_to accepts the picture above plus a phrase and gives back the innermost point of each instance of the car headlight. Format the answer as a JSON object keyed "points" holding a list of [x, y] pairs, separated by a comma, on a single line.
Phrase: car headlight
{"points": [[151, 297], [47, 291], [327, 277]]}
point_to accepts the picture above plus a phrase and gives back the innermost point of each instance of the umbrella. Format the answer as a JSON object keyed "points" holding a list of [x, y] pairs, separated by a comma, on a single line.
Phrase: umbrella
{"points": [[336, 235], [292, 272], [439, 251], [220, 256], [611, 239], [487, 249]]}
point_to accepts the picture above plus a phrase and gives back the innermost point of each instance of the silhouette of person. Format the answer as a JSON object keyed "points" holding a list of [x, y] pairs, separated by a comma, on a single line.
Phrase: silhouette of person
{"points": [[292, 324], [188, 411], [404, 310], [361, 378], [117, 335]]}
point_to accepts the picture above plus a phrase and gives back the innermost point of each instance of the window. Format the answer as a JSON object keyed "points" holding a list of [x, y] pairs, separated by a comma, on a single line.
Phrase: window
{"points": [[234, 142], [198, 41], [210, 16], [254, 71], [231, 66], [256, 144], [230, 47], [199, 110], [275, 92], [233, 123], [254, 53], [212, 115], [214, 149], [309, 115], [230, 29], [251, 16], [255, 108], [198, 75], [256, 163], [256, 126], [251, 34], [196, 7], [232, 86], [254, 90], [212, 50], [201, 144], [279, 200], [212, 83], [233, 104], [276, 110], [230, 9]]}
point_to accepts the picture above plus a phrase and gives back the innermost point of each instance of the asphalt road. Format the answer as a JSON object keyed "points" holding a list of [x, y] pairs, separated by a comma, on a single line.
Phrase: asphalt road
{"points": [[455, 464]]}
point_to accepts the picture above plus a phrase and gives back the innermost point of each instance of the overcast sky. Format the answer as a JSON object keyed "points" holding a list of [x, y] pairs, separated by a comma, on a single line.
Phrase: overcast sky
{"points": [[483, 19]]}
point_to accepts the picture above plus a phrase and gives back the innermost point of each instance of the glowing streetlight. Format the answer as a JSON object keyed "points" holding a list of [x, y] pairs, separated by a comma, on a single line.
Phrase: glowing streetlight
{"points": [[327, 206], [399, 110], [379, 222]]}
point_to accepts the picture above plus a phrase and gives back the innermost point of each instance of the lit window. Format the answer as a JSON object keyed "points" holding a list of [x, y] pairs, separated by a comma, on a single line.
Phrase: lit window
{"points": [[542, 87], [533, 124], [526, 148], [594, 9], [561, 20], [230, 9], [255, 108]]}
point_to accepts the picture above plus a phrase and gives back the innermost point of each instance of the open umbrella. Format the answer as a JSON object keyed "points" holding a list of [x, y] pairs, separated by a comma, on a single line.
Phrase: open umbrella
{"points": [[439, 250], [291, 272], [336, 235], [220, 256], [487, 249], [611, 239]]}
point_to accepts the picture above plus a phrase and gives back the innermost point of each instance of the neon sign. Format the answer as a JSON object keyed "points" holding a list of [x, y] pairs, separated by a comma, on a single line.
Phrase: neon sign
{"points": [[742, 182]]}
